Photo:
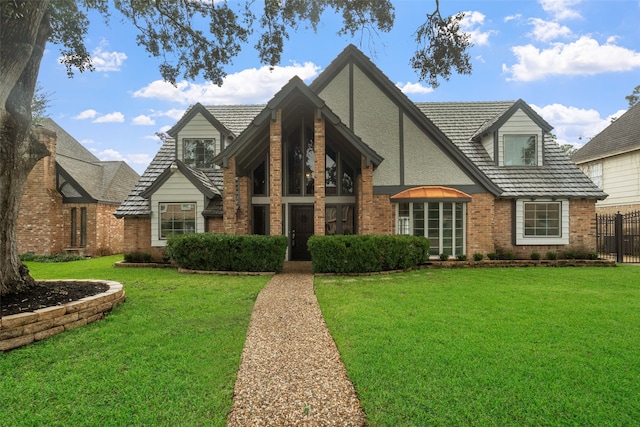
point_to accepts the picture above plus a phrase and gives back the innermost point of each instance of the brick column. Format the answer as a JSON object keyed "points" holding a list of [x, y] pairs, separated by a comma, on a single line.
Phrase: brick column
{"points": [[275, 175], [365, 198], [229, 197], [243, 215], [319, 179]]}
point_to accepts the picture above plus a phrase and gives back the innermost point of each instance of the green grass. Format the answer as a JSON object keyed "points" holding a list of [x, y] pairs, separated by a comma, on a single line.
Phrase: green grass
{"points": [[522, 346], [167, 356]]}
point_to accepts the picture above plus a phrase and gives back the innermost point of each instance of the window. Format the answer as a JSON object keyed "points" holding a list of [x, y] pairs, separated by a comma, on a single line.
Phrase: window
{"points": [[542, 219], [443, 223], [520, 150], [199, 153], [83, 227], [594, 171], [339, 219], [74, 227], [300, 162], [177, 218], [339, 176], [260, 180], [261, 219], [542, 222]]}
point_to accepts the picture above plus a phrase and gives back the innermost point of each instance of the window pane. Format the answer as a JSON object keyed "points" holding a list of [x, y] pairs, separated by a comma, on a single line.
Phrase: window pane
{"points": [[520, 150], [309, 168], [433, 230], [177, 218], [348, 225], [260, 219], [199, 153], [331, 220], [294, 163], [348, 179], [418, 219], [331, 172], [259, 180], [542, 219], [447, 228], [459, 228], [403, 219]]}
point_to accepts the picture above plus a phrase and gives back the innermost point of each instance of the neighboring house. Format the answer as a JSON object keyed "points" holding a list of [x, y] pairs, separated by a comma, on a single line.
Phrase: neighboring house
{"points": [[350, 153], [70, 197], [612, 160]]}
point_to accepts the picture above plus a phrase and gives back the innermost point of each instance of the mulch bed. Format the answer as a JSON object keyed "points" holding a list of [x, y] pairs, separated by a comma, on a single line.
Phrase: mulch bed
{"points": [[48, 294]]}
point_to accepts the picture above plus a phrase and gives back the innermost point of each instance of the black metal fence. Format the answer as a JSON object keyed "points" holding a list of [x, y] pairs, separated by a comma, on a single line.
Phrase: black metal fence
{"points": [[618, 236]]}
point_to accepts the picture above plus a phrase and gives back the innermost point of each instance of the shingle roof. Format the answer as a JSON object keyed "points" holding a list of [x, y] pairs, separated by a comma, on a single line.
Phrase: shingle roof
{"points": [[462, 121], [104, 181], [620, 136], [236, 118]]}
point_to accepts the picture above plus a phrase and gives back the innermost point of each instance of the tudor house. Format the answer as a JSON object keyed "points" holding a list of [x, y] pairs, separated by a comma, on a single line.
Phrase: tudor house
{"points": [[350, 153], [70, 197]]}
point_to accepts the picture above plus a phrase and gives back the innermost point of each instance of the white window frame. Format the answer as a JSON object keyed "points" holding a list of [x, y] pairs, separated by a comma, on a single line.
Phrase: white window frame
{"points": [[528, 137], [163, 209], [404, 225], [204, 142], [562, 239]]}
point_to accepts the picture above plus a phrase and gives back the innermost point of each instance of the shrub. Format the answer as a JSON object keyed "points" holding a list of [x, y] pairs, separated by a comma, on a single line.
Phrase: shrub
{"points": [[551, 255], [444, 257], [478, 256], [492, 256], [569, 254], [592, 255], [462, 257], [361, 254], [507, 255], [137, 257], [30, 256], [535, 256], [226, 252]]}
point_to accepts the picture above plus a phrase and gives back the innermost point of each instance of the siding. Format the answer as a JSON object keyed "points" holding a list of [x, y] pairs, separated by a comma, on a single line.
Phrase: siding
{"points": [[336, 95], [376, 121], [519, 124], [425, 163], [621, 179], [489, 144], [198, 127], [177, 189]]}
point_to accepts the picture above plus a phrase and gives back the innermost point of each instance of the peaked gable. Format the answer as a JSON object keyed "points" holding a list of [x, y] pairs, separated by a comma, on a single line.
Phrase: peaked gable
{"points": [[193, 111], [196, 177], [351, 56]]}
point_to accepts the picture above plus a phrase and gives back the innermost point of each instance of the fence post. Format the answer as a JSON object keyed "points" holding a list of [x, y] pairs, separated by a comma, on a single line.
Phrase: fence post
{"points": [[619, 239]]}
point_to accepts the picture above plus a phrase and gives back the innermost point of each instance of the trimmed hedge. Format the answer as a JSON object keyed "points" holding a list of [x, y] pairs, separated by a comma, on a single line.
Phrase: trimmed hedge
{"points": [[368, 253], [226, 252]]}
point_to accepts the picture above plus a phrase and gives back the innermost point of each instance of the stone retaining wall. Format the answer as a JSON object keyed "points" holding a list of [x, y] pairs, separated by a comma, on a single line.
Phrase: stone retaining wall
{"points": [[21, 329]]}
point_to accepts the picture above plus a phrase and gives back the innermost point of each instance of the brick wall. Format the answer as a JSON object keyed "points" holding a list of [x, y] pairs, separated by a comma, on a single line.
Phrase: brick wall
{"points": [[215, 225], [364, 198], [582, 224], [623, 209], [319, 179], [229, 205], [137, 237], [275, 175], [480, 219], [243, 216], [384, 215], [40, 220]]}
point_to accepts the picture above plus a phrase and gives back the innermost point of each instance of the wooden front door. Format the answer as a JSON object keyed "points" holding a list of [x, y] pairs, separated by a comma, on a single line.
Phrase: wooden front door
{"points": [[300, 231]]}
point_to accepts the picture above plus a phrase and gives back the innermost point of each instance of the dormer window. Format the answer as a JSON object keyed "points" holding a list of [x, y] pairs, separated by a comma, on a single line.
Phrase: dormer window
{"points": [[199, 153], [520, 150]]}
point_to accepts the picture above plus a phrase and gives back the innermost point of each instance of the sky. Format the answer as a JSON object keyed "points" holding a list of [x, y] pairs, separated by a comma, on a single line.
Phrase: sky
{"points": [[573, 61]]}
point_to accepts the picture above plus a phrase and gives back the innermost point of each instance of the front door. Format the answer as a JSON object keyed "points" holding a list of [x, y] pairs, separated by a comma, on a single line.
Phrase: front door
{"points": [[301, 230]]}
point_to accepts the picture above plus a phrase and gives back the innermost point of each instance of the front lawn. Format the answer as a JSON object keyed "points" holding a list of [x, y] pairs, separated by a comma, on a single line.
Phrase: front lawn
{"points": [[167, 356], [521, 346]]}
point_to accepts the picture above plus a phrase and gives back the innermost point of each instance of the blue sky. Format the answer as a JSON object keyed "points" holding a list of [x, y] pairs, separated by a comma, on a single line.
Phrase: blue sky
{"points": [[574, 61]]}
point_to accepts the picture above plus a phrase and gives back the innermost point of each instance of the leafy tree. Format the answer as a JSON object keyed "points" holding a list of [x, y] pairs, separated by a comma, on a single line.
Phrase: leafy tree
{"points": [[171, 31], [634, 97]]}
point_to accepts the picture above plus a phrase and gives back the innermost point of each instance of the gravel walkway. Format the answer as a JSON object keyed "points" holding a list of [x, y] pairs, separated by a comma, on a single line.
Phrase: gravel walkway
{"points": [[291, 373]]}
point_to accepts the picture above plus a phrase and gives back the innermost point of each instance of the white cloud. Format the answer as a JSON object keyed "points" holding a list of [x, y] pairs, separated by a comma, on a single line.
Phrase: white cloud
{"points": [[546, 31], [115, 117], [174, 113], [107, 61], [86, 114], [110, 154], [585, 56], [139, 159], [143, 120], [87, 141], [574, 125], [471, 24], [409, 87], [515, 17], [561, 9], [250, 86]]}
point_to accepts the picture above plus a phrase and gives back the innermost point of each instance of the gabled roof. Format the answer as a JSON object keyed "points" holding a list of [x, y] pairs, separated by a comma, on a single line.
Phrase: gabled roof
{"points": [[353, 54], [191, 112], [465, 121], [137, 205], [196, 176], [101, 181], [619, 137], [298, 86]]}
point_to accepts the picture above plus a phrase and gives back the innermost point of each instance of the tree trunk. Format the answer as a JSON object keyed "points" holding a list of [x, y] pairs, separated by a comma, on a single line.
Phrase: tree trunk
{"points": [[24, 30]]}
